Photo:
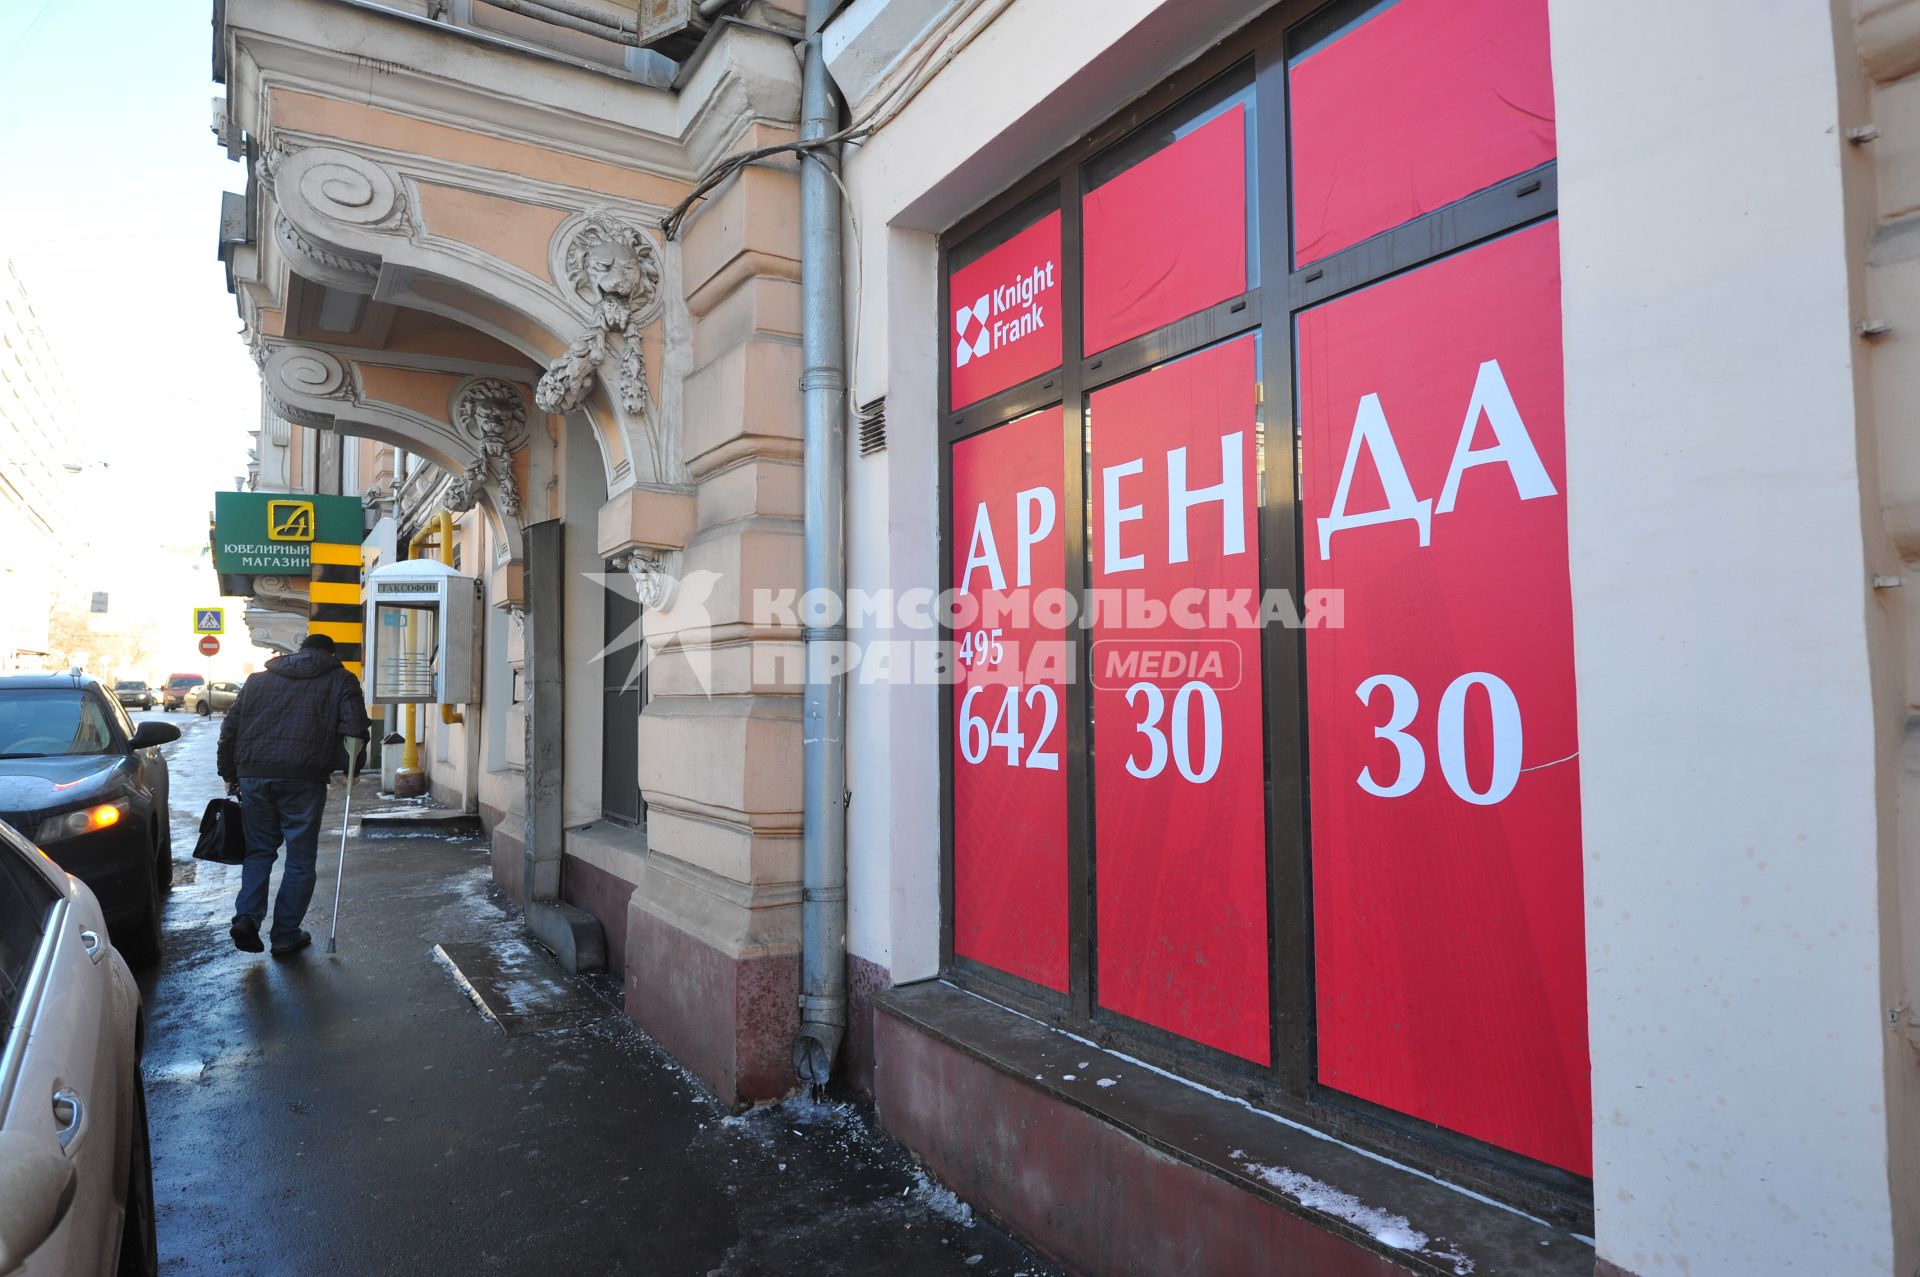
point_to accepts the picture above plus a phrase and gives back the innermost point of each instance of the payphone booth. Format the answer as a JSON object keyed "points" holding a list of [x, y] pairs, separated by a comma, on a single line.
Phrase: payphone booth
{"points": [[423, 634]]}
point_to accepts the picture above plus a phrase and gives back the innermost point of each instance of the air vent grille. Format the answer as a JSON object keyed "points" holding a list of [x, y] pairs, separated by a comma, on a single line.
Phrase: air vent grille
{"points": [[873, 427]]}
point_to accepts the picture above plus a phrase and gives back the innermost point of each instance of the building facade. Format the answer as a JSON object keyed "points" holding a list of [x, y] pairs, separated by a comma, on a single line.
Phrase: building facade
{"points": [[1377, 648], [37, 488]]}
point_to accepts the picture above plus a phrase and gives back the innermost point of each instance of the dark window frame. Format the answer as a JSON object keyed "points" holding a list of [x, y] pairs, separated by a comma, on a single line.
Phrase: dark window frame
{"points": [[117, 718], [620, 704], [1261, 53], [28, 900]]}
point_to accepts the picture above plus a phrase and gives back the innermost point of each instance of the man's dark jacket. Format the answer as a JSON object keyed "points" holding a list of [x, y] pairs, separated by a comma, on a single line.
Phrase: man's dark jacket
{"points": [[288, 720]]}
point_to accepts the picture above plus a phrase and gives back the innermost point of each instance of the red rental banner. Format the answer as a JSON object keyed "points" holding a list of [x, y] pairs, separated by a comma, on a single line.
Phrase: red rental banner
{"points": [[1180, 841], [1443, 747], [1425, 102], [1009, 701], [1006, 314], [1168, 237]]}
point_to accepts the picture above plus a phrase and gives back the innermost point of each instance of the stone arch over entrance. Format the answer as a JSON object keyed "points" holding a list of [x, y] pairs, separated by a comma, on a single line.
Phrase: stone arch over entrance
{"points": [[483, 422], [588, 292], [474, 207]]}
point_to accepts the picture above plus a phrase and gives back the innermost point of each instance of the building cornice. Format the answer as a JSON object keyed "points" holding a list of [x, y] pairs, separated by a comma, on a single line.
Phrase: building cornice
{"points": [[440, 74]]}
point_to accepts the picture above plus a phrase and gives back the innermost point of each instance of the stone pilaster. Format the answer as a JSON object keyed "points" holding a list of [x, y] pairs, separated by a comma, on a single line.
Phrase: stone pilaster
{"points": [[714, 926]]}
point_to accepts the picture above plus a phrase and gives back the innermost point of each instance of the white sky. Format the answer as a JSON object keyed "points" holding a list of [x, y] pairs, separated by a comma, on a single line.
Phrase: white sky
{"points": [[110, 184], [110, 210]]}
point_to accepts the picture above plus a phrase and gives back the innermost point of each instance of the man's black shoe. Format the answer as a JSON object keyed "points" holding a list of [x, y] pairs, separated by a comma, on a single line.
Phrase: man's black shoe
{"points": [[246, 934], [300, 941]]}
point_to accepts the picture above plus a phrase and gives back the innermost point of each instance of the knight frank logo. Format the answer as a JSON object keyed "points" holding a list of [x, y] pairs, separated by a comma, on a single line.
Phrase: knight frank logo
{"points": [[970, 323], [1002, 316]]}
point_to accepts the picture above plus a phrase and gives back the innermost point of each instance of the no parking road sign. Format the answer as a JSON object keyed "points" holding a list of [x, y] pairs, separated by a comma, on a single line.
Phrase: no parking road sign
{"points": [[209, 620]]}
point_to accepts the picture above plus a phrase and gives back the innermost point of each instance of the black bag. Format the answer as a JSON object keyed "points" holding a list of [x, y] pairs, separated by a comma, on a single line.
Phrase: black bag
{"points": [[223, 839]]}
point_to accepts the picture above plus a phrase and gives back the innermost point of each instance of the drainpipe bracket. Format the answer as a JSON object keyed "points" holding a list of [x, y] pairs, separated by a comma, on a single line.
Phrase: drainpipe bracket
{"points": [[819, 1010]]}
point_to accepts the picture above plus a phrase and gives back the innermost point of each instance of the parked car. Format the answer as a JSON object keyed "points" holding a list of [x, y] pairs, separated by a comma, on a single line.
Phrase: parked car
{"points": [[222, 699], [73, 1112], [133, 694], [174, 694], [80, 780]]}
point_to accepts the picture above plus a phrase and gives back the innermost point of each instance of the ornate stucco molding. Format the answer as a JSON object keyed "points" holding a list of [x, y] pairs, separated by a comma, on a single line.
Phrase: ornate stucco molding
{"points": [[321, 187], [462, 495], [295, 376], [379, 499], [653, 576], [276, 48], [335, 185], [276, 616], [361, 224], [422, 492], [281, 593], [485, 420], [613, 269], [275, 630], [337, 266], [493, 415]]}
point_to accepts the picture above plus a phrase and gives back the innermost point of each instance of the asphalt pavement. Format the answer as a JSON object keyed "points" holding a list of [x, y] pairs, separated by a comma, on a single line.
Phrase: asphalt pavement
{"points": [[354, 1113]]}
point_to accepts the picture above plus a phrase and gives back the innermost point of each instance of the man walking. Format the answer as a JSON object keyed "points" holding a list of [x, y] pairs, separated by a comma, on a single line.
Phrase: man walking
{"points": [[279, 746]]}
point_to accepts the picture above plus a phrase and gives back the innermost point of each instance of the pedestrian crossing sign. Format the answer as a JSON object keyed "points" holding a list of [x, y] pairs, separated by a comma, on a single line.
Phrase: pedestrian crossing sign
{"points": [[209, 620]]}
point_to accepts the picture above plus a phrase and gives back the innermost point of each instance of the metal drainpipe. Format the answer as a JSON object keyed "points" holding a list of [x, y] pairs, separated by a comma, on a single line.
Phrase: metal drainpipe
{"points": [[823, 959]]}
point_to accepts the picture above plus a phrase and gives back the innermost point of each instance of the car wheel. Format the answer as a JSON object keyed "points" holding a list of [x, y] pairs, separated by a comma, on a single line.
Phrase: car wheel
{"points": [[205, 710], [139, 1252], [142, 948], [163, 859]]}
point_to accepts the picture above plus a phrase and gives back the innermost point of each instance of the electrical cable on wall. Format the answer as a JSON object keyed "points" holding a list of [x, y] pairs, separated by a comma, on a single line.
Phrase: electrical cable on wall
{"points": [[882, 114]]}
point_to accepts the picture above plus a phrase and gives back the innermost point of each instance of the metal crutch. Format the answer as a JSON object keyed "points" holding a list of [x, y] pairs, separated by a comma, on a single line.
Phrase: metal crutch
{"points": [[353, 746]]}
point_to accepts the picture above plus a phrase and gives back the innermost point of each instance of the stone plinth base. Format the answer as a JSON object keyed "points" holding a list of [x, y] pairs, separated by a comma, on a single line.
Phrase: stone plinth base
{"points": [[1118, 1171], [713, 975]]}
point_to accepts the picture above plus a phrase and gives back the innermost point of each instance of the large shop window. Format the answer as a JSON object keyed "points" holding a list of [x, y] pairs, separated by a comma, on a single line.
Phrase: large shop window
{"points": [[1010, 796], [1180, 863], [1409, 108], [1262, 756], [1166, 231]]}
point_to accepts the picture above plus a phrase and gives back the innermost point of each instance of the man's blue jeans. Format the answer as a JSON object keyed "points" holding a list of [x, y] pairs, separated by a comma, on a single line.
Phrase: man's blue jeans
{"points": [[272, 811]]}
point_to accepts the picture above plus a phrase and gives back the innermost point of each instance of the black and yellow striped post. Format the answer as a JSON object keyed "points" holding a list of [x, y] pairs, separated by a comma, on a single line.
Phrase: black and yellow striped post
{"points": [[334, 604]]}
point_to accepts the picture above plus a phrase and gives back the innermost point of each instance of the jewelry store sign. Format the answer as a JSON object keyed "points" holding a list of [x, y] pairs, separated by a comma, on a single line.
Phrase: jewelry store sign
{"points": [[273, 532]]}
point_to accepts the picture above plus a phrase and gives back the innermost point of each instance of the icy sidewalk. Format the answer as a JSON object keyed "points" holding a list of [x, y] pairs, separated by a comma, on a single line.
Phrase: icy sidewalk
{"points": [[357, 1113]]}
